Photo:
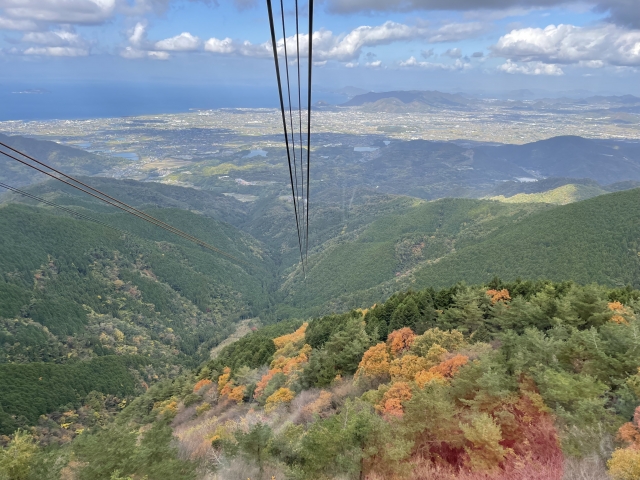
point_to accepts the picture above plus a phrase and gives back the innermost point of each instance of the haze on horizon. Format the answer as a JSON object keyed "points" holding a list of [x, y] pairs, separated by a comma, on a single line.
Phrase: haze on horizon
{"points": [[551, 47]]}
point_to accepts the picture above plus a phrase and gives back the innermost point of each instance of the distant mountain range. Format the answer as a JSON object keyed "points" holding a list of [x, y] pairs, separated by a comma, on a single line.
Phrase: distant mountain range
{"points": [[420, 100], [416, 98]]}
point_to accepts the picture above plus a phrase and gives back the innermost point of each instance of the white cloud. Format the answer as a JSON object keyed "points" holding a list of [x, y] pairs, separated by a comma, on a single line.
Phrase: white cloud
{"points": [[61, 43], [60, 11], [57, 51], [532, 68], [568, 44], [61, 38], [185, 42], [351, 64], [411, 62], [220, 46], [138, 34], [22, 25], [374, 64], [158, 55], [347, 47]]}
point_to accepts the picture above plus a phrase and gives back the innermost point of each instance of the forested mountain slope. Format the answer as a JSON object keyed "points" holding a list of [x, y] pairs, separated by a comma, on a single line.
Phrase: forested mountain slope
{"points": [[73, 161], [74, 293], [451, 240], [521, 380]]}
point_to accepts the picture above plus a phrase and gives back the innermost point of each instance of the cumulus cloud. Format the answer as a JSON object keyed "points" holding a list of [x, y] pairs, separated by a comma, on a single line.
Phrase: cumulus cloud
{"points": [[374, 64], [347, 47], [227, 46], [477, 55], [185, 42], [533, 68], [568, 44], [456, 66]]}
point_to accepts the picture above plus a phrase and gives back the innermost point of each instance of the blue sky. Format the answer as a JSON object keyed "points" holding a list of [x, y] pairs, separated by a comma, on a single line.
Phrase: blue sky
{"points": [[472, 45]]}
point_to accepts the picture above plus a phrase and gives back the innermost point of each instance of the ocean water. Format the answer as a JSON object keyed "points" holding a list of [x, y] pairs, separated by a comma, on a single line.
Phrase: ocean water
{"points": [[80, 101]]}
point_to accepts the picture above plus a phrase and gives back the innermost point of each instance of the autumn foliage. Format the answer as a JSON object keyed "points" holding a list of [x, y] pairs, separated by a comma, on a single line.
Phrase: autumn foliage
{"points": [[201, 384], [625, 462], [400, 340], [499, 295], [375, 362], [394, 398], [281, 396]]}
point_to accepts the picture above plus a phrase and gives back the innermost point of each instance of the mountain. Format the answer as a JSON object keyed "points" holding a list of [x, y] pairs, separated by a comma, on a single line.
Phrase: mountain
{"points": [[114, 311], [440, 243], [386, 101], [72, 161], [155, 301], [602, 160]]}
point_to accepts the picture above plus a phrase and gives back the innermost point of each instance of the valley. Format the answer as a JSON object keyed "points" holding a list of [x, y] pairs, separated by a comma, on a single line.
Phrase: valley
{"points": [[440, 260]]}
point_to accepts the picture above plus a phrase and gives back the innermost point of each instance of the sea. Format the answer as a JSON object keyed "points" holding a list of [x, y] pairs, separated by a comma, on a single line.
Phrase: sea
{"points": [[95, 100]]}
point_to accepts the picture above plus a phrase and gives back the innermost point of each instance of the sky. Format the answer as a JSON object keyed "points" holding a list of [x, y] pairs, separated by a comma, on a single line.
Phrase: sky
{"points": [[451, 45]]}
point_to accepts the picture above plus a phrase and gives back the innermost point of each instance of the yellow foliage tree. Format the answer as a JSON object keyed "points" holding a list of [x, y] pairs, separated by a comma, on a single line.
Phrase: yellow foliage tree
{"points": [[406, 367], [295, 337], [374, 362], [625, 462], [426, 376], [279, 397], [224, 378]]}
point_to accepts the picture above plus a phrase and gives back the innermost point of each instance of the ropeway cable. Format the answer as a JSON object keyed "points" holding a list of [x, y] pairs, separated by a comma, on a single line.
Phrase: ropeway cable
{"points": [[284, 121], [116, 203], [60, 207], [306, 250]]}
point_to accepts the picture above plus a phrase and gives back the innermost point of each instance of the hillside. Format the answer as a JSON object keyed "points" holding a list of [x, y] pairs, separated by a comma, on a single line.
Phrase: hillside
{"points": [[73, 161], [446, 241], [595, 240], [563, 195], [73, 293], [521, 380]]}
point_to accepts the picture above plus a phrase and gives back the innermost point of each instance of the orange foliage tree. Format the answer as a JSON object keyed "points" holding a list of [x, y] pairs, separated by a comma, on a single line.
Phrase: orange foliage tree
{"points": [[392, 400], [499, 295], [400, 340], [620, 312], [450, 367], [264, 381], [201, 384]]}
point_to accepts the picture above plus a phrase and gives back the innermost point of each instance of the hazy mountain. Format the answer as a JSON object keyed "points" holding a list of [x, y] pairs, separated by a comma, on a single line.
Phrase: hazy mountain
{"points": [[73, 161], [413, 98]]}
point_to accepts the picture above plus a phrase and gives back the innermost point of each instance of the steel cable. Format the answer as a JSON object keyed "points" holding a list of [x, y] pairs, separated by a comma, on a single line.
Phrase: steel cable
{"points": [[116, 203]]}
